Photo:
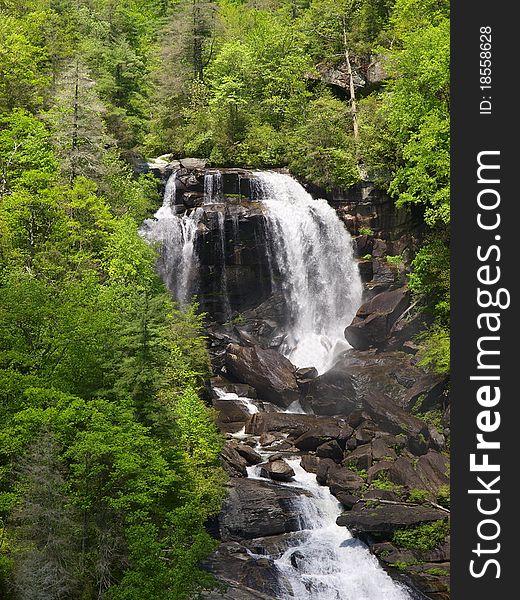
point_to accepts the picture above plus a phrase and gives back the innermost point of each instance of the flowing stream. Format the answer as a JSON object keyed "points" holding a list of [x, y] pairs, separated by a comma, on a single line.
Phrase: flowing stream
{"points": [[328, 563]]}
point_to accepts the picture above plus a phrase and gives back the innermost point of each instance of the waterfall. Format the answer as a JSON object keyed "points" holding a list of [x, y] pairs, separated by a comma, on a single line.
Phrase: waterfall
{"points": [[213, 187], [226, 305], [177, 262], [318, 276], [328, 563]]}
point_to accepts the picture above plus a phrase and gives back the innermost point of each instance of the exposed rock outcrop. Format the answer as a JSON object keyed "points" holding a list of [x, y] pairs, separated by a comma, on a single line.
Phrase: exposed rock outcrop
{"points": [[374, 320], [271, 374]]}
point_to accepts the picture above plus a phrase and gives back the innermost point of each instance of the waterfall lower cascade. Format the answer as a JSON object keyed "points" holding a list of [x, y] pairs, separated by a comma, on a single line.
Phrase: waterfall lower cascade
{"points": [[318, 275], [328, 563]]}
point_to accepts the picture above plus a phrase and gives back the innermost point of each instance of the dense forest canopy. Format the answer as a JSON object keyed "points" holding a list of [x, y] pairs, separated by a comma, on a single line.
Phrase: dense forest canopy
{"points": [[109, 457]]}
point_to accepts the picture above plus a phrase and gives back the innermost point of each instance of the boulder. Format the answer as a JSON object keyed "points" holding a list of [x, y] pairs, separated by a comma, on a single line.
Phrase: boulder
{"points": [[341, 390], [429, 472], [348, 500], [248, 454], [374, 320], [306, 374], [316, 437], [232, 462], [427, 393], [278, 470], [360, 458], [255, 508], [193, 163], [330, 450], [270, 373], [386, 518], [390, 418], [246, 577], [381, 450], [324, 466], [230, 411], [310, 463], [343, 481]]}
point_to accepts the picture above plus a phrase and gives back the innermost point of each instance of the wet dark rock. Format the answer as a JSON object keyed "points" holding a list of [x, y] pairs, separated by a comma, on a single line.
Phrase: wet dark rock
{"points": [[310, 463], [293, 424], [274, 545], [374, 320], [230, 411], [270, 373], [233, 463], [330, 450], [247, 578], [255, 508], [341, 390], [268, 439], [318, 436], [240, 389], [248, 454], [306, 374]]}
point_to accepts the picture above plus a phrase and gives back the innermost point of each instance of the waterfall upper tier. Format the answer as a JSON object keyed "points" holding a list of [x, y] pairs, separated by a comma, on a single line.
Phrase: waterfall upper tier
{"points": [[238, 238]]}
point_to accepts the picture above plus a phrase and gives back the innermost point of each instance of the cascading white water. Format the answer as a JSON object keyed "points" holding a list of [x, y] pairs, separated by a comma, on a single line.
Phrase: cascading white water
{"points": [[213, 187], [318, 275], [328, 563], [176, 235]]}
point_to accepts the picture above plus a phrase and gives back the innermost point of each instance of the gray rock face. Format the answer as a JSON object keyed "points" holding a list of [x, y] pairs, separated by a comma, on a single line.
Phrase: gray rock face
{"points": [[292, 424], [270, 373], [386, 518], [247, 578], [278, 470], [255, 508], [233, 463], [374, 320], [356, 374]]}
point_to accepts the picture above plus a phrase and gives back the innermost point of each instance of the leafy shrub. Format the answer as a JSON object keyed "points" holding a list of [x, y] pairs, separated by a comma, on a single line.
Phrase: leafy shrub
{"points": [[422, 537]]}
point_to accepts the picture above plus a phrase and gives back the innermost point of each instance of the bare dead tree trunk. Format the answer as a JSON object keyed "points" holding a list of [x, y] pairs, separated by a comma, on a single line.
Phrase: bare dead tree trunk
{"points": [[75, 125], [353, 105]]}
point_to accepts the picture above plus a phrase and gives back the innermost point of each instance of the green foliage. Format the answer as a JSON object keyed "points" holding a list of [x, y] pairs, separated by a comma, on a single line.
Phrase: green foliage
{"points": [[434, 352], [366, 231], [394, 260], [430, 277], [381, 482], [422, 537], [444, 496], [418, 496]]}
